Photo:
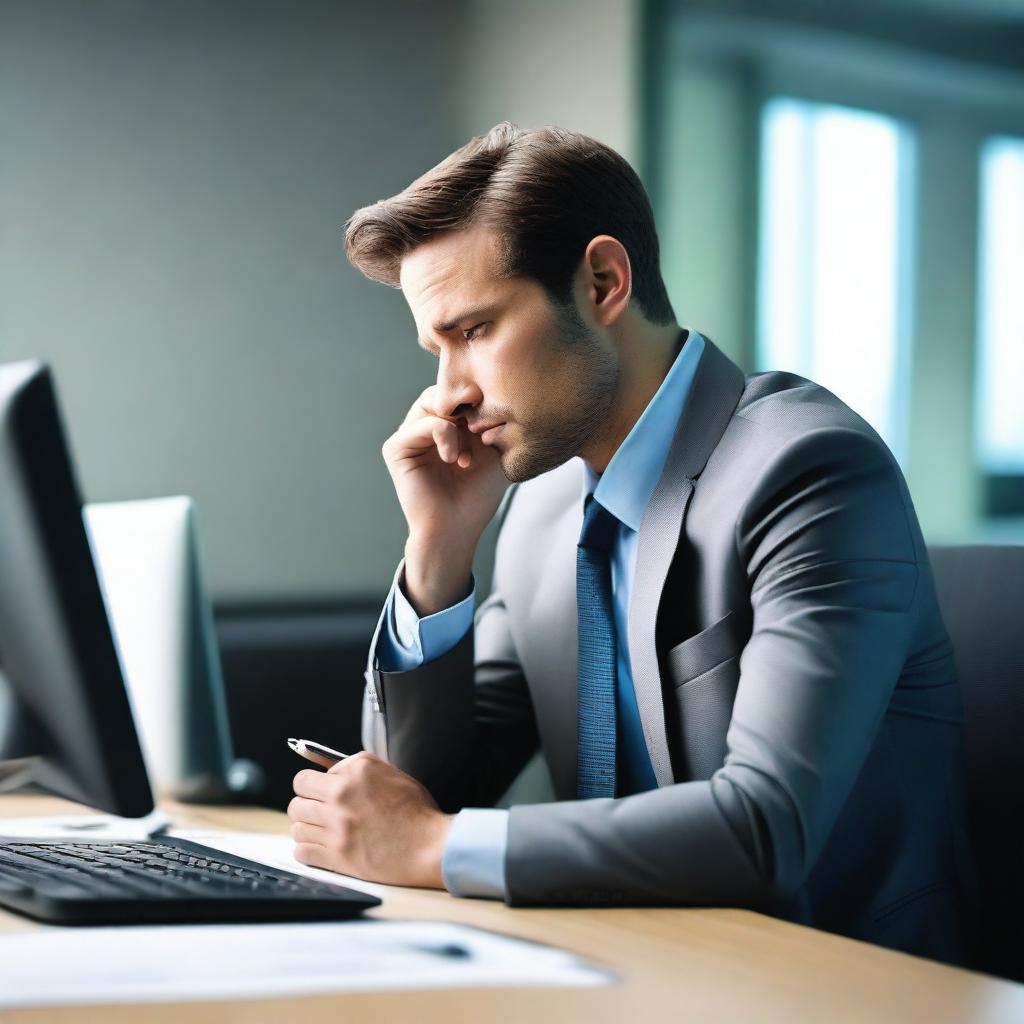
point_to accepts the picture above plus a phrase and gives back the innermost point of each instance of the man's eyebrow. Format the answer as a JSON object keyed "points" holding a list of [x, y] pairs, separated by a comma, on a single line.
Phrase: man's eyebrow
{"points": [[444, 326]]}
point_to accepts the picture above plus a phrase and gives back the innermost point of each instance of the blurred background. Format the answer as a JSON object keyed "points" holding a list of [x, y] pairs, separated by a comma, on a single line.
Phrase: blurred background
{"points": [[839, 191]]}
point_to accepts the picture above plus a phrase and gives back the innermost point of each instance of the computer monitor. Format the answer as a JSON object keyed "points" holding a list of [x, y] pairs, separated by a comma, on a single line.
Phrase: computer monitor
{"points": [[57, 653], [150, 571]]}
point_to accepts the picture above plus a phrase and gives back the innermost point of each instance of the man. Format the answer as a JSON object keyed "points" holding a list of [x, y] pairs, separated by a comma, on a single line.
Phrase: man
{"points": [[712, 606]]}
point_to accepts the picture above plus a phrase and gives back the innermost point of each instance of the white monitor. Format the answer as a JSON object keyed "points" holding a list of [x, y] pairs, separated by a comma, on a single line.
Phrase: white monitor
{"points": [[148, 562]]}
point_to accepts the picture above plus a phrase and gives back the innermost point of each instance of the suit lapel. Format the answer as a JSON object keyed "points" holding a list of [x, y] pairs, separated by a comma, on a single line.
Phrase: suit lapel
{"points": [[716, 390], [556, 649]]}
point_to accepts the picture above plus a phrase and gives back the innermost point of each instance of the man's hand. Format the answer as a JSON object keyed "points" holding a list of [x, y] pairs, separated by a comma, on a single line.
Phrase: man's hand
{"points": [[449, 484], [367, 818]]}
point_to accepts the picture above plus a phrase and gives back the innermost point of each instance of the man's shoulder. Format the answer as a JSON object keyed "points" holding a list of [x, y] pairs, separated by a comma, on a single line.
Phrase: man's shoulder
{"points": [[779, 411], [786, 428], [786, 403], [785, 433]]}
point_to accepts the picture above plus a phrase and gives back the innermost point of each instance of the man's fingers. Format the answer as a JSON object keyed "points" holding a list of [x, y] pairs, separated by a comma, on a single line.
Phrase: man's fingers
{"points": [[312, 854], [311, 784], [446, 438], [425, 405], [303, 832], [430, 432], [311, 811]]}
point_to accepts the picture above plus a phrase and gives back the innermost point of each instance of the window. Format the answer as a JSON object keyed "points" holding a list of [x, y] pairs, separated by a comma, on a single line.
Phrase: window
{"points": [[1000, 377], [835, 221]]}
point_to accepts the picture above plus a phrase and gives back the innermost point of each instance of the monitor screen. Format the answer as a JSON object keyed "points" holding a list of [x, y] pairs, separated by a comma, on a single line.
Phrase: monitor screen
{"points": [[74, 733]]}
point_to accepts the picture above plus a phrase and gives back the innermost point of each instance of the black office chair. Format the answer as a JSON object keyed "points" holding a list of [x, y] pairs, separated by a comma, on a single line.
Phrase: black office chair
{"points": [[295, 669], [981, 593]]}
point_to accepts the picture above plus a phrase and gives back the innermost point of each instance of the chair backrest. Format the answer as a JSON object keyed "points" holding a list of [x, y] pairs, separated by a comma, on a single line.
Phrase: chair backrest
{"points": [[981, 594]]}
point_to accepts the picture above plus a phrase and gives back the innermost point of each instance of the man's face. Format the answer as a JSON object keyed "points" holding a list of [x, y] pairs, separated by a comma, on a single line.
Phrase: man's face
{"points": [[507, 355]]}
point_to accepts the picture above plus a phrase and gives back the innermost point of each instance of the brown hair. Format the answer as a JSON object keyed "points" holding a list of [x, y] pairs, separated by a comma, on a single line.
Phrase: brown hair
{"points": [[548, 192]]}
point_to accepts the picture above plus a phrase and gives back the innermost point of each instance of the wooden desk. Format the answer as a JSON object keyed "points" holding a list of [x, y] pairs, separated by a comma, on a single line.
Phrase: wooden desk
{"points": [[678, 965]]}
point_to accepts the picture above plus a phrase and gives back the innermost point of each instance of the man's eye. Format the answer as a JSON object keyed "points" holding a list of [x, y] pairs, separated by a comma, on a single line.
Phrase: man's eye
{"points": [[472, 332]]}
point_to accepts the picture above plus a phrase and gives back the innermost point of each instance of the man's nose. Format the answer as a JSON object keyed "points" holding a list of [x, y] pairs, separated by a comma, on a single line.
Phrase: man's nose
{"points": [[456, 393]]}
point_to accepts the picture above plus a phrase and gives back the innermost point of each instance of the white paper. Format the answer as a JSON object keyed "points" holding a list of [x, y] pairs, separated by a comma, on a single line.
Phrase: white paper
{"points": [[179, 963], [84, 826]]}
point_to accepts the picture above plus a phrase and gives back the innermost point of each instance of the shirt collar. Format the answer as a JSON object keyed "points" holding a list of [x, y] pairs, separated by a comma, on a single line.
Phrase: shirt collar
{"points": [[626, 486]]}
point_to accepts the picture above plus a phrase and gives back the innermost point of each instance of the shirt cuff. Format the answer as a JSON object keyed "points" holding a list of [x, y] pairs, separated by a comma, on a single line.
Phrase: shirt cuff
{"points": [[426, 639], [473, 863]]}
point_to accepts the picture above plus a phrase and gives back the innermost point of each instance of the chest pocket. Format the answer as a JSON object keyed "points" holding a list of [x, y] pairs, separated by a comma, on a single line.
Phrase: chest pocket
{"points": [[703, 672]]}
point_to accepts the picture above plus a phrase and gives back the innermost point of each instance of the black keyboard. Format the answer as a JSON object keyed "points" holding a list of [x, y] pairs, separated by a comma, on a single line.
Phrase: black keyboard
{"points": [[166, 880]]}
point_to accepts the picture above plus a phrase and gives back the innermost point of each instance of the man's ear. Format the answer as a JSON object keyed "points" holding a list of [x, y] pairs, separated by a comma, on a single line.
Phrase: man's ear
{"points": [[607, 278]]}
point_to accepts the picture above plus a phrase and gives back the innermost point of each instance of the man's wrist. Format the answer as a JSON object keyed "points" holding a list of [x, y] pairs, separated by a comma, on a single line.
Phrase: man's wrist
{"points": [[435, 578], [434, 850]]}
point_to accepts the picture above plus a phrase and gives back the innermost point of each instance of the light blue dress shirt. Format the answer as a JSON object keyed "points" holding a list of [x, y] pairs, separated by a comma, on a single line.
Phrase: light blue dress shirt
{"points": [[474, 855]]}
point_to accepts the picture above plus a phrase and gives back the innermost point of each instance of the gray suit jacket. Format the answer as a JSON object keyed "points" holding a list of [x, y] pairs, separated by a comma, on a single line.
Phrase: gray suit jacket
{"points": [[795, 682]]}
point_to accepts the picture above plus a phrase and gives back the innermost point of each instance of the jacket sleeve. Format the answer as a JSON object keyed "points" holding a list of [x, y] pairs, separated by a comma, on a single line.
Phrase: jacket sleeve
{"points": [[826, 543], [463, 724], [406, 641]]}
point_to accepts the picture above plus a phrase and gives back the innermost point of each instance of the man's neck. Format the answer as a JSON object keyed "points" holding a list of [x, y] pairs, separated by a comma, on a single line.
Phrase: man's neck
{"points": [[646, 355]]}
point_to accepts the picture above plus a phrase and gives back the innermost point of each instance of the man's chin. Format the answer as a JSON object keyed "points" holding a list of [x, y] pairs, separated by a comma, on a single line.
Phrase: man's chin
{"points": [[520, 465], [514, 473]]}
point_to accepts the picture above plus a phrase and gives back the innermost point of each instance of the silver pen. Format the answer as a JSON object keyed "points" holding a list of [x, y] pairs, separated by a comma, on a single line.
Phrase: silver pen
{"points": [[316, 752]]}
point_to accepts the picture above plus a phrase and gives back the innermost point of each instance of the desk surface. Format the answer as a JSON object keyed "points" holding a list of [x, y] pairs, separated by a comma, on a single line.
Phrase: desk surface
{"points": [[677, 964]]}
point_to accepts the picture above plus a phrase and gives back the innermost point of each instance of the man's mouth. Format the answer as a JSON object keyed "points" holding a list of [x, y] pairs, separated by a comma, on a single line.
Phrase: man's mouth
{"points": [[479, 426]]}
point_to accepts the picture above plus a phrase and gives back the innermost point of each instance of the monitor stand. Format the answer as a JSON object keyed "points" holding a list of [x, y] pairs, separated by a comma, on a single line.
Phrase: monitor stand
{"points": [[17, 773]]}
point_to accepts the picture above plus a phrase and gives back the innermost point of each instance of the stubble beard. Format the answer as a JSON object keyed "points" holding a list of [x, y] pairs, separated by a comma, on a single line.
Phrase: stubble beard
{"points": [[555, 435]]}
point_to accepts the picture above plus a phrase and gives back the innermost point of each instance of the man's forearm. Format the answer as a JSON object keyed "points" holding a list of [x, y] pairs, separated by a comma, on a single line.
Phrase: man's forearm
{"points": [[436, 576]]}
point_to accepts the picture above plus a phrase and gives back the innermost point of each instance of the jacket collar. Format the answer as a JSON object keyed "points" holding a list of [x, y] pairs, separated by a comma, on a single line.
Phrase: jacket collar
{"points": [[626, 486]]}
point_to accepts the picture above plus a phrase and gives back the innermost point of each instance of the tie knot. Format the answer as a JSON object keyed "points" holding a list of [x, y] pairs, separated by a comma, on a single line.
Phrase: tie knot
{"points": [[598, 526]]}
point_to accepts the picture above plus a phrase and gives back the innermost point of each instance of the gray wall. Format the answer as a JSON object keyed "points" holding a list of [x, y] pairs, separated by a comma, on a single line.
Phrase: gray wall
{"points": [[574, 63], [174, 180]]}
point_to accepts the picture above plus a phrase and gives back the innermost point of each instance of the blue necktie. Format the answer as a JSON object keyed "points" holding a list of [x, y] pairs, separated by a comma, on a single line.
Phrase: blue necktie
{"points": [[595, 765]]}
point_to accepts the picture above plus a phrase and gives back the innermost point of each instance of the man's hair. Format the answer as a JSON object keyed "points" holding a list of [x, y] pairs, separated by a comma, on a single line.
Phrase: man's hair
{"points": [[546, 191]]}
